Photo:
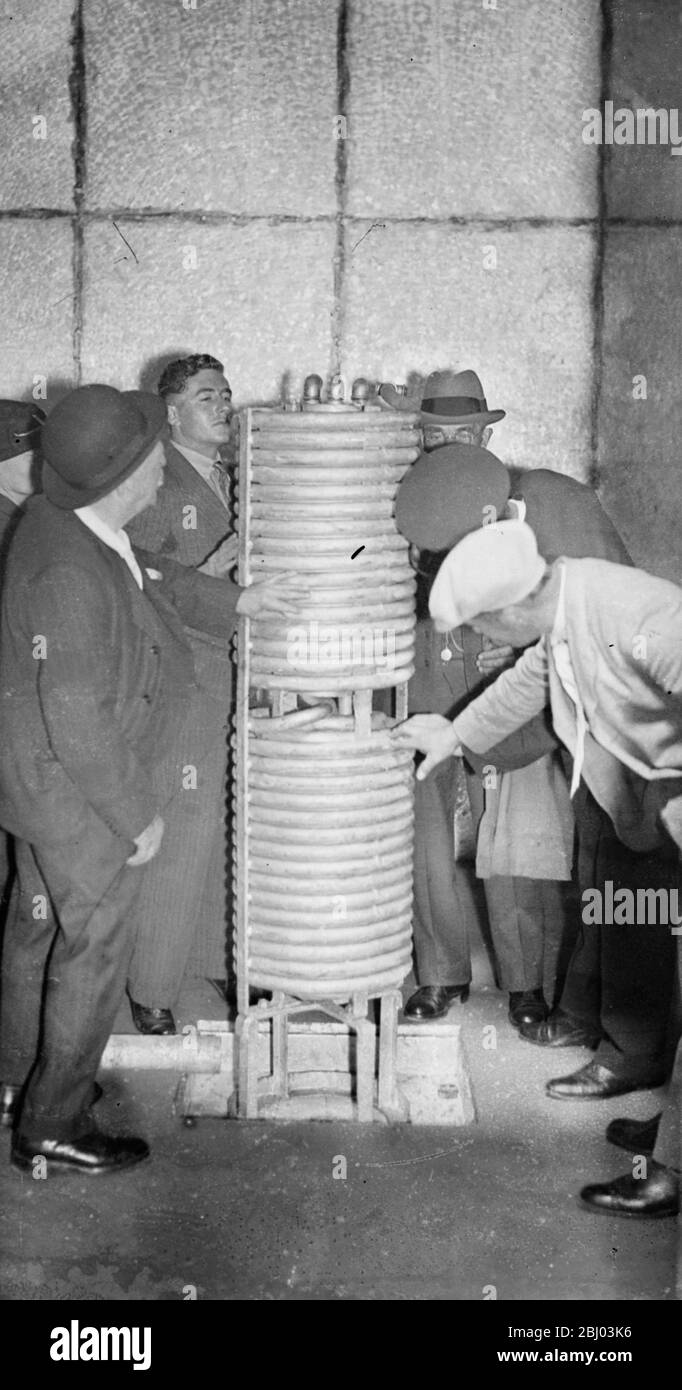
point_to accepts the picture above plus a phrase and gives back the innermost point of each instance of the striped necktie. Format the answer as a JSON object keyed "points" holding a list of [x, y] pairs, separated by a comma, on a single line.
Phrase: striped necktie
{"points": [[220, 483]]}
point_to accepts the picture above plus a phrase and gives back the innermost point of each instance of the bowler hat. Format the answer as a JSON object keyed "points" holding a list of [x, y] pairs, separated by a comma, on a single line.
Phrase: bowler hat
{"points": [[448, 493], [456, 398], [95, 438], [20, 423]]}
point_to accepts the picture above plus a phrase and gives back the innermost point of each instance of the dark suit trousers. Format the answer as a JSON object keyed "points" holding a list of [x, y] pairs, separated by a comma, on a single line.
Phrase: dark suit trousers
{"points": [[63, 975], [526, 915], [620, 978], [180, 916]]}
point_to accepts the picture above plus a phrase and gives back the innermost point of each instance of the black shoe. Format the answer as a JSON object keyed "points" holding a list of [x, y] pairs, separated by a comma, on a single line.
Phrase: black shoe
{"points": [[527, 1006], [595, 1082], [656, 1195], [559, 1030], [157, 1022], [92, 1153], [636, 1136], [9, 1103], [433, 1001]]}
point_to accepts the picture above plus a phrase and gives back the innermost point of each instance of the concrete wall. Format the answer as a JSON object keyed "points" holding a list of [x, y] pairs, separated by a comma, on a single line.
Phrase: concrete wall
{"points": [[640, 435], [376, 186]]}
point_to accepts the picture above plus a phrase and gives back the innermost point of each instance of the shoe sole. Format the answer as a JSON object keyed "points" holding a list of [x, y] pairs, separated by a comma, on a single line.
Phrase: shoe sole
{"points": [[589, 1043], [629, 1215], [25, 1165], [612, 1095]]}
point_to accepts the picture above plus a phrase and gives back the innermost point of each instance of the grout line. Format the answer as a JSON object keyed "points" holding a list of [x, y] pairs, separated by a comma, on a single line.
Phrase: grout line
{"points": [[79, 114], [246, 219]]}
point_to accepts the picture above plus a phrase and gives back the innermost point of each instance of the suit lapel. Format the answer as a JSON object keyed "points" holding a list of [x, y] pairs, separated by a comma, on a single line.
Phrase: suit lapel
{"points": [[189, 480]]}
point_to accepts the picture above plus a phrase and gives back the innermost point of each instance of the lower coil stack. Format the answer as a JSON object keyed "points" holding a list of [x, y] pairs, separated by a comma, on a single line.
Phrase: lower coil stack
{"points": [[330, 819]]}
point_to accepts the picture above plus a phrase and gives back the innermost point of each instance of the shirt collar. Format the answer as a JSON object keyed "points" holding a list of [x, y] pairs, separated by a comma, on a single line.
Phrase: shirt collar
{"points": [[517, 508], [116, 540]]}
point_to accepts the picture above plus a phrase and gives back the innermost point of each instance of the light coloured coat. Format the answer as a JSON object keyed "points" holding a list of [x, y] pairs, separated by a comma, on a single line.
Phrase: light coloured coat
{"points": [[624, 634]]}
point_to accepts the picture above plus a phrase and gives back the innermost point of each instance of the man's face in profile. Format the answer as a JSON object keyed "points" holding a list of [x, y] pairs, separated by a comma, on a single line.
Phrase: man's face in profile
{"points": [[200, 415]]}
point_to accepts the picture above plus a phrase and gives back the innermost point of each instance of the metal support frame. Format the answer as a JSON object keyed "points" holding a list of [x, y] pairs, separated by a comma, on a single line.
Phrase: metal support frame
{"points": [[376, 1088]]}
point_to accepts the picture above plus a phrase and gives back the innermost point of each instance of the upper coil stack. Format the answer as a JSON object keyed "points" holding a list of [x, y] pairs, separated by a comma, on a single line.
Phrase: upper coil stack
{"points": [[321, 491]]}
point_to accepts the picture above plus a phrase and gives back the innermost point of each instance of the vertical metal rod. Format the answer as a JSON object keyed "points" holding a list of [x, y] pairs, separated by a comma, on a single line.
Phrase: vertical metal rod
{"points": [[241, 915], [280, 1050], [388, 1049], [364, 1069]]}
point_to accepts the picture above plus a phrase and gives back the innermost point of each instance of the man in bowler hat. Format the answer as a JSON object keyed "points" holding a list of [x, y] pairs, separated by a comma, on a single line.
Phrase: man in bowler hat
{"points": [[96, 682]]}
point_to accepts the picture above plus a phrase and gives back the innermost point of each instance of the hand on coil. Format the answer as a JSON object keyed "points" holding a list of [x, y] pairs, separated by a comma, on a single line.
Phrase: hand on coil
{"points": [[281, 594], [431, 735]]}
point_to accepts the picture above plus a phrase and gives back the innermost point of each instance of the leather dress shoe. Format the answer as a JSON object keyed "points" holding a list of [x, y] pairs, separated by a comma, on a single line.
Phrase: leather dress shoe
{"points": [[93, 1152], [596, 1082], [433, 1001], [636, 1136], [656, 1195], [157, 1022], [559, 1030], [527, 1006], [9, 1103]]}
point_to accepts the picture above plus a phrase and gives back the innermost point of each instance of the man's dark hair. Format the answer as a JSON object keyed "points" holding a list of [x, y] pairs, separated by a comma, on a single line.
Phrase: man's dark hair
{"points": [[175, 376]]}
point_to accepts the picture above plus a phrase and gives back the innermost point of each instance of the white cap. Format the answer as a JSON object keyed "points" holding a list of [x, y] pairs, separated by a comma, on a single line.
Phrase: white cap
{"points": [[489, 569]]}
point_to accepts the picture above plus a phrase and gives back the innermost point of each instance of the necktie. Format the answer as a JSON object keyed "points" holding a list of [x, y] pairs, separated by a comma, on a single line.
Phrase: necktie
{"points": [[220, 483]]}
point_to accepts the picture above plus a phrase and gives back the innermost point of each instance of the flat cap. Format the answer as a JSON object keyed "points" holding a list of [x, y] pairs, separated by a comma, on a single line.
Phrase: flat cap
{"points": [[489, 569]]}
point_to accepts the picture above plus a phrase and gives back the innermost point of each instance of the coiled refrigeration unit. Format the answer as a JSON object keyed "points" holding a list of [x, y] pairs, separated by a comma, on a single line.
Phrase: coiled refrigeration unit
{"points": [[323, 798]]}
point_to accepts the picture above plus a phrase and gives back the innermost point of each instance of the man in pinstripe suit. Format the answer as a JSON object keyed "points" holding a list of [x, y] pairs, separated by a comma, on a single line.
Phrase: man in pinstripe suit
{"points": [[181, 913]]}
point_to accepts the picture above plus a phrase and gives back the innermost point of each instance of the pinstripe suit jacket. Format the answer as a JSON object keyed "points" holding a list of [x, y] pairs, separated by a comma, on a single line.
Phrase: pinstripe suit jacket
{"points": [[186, 525]]}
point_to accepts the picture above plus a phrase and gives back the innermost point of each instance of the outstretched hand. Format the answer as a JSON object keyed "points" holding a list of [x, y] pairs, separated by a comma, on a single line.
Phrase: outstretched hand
{"points": [[280, 594], [431, 735]]}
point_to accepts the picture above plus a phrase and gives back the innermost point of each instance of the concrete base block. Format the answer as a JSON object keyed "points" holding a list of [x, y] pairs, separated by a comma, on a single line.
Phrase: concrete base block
{"points": [[432, 1076]]}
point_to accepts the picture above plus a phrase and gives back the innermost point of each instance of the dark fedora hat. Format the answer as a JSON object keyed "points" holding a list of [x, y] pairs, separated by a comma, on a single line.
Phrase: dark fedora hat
{"points": [[20, 423], [94, 438], [456, 398], [450, 492]]}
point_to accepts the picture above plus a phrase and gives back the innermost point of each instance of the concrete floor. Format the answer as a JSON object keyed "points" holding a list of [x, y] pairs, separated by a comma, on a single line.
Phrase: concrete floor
{"points": [[252, 1211]]}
